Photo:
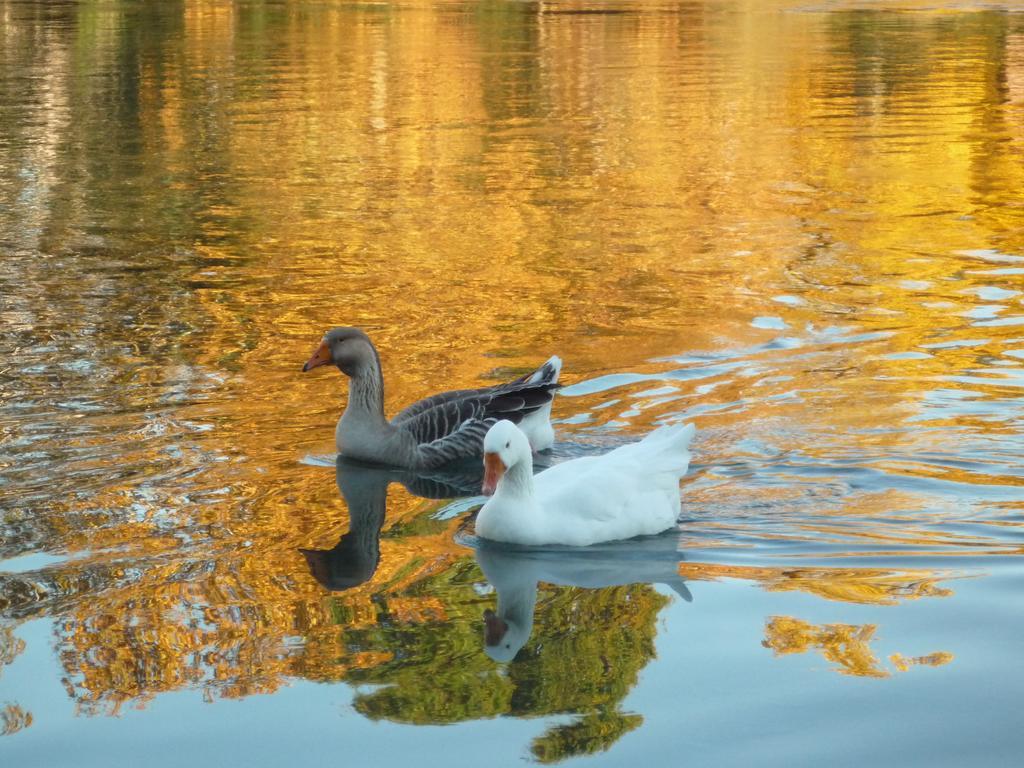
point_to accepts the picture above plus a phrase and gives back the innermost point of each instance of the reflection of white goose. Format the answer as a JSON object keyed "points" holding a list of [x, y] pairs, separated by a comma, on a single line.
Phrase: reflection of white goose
{"points": [[631, 491], [515, 572]]}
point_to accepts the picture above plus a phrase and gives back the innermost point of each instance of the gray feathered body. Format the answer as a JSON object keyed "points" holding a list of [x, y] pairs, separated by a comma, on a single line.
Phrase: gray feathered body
{"points": [[444, 428]]}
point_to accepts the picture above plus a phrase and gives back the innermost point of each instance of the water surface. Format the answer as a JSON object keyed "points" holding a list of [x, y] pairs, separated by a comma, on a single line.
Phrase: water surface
{"points": [[797, 224]]}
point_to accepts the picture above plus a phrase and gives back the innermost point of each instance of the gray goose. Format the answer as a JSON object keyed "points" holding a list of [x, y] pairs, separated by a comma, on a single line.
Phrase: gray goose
{"points": [[438, 430]]}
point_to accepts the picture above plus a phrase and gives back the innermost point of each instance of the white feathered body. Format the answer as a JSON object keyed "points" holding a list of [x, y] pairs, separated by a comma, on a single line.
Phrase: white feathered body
{"points": [[631, 491]]}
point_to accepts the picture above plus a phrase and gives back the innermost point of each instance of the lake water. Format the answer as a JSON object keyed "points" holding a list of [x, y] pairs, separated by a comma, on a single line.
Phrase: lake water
{"points": [[798, 224]]}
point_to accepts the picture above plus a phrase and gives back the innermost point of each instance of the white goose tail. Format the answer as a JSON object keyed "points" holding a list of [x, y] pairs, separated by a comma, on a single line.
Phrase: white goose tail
{"points": [[667, 449]]}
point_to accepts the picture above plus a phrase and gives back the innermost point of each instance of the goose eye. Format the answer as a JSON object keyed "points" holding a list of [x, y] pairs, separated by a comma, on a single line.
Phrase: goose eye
{"points": [[508, 444]]}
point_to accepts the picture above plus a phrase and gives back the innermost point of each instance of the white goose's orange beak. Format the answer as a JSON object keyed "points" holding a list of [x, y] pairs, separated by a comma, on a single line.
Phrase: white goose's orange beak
{"points": [[494, 468], [322, 356]]}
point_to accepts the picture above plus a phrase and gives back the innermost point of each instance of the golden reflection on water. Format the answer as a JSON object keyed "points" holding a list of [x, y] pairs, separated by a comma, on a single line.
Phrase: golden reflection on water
{"points": [[855, 585], [937, 659], [803, 231], [846, 645], [13, 719]]}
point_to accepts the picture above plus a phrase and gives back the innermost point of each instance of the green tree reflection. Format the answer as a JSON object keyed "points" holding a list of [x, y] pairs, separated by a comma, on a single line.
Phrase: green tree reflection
{"points": [[587, 649]]}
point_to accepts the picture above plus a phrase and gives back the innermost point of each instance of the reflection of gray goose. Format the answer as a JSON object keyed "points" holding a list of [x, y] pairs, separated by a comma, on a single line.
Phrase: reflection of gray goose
{"points": [[515, 572], [353, 560], [435, 431]]}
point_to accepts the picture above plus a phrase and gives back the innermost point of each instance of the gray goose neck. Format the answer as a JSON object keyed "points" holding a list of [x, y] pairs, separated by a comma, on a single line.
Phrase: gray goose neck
{"points": [[366, 393]]}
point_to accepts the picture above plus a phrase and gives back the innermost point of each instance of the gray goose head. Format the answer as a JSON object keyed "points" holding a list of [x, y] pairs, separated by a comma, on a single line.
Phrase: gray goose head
{"points": [[348, 348]]}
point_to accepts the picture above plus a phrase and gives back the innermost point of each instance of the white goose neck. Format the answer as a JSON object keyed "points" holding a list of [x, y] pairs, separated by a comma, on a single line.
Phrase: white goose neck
{"points": [[518, 602], [517, 482]]}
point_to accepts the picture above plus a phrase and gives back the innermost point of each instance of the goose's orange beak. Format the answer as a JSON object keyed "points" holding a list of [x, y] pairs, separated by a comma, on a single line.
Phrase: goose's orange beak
{"points": [[494, 468], [322, 356]]}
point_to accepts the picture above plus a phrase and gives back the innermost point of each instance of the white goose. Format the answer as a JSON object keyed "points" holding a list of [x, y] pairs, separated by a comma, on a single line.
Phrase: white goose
{"points": [[631, 491]]}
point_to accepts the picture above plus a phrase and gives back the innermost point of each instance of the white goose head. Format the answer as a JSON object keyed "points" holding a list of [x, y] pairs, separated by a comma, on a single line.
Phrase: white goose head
{"points": [[505, 446]]}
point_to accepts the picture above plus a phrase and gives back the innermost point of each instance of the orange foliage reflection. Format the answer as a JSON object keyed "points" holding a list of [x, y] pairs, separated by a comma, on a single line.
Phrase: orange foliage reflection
{"points": [[846, 645]]}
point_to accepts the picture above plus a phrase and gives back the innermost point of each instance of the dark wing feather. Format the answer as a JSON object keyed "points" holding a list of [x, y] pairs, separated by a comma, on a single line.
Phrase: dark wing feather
{"points": [[455, 429], [465, 441], [536, 385], [433, 401], [443, 419], [452, 425], [453, 409]]}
